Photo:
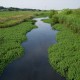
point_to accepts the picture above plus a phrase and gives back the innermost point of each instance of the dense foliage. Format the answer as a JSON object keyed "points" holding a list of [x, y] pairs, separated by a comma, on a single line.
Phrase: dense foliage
{"points": [[65, 55]]}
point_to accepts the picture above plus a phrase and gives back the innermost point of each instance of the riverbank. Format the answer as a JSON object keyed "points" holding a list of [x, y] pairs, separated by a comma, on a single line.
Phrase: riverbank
{"points": [[13, 27], [10, 42], [65, 55], [34, 63]]}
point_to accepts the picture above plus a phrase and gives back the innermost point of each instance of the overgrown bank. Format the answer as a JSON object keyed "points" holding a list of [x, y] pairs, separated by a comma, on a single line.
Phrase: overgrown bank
{"points": [[13, 27], [10, 42], [65, 55]]}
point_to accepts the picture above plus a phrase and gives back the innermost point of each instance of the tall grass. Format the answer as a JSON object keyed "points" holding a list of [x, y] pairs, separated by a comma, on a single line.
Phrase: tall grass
{"points": [[65, 55], [11, 19]]}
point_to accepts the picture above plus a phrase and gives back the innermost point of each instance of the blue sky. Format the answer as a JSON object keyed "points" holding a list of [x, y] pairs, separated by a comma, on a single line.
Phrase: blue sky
{"points": [[41, 4]]}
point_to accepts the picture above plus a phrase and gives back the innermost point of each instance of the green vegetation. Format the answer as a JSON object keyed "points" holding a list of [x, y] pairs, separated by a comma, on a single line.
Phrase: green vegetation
{"points": [[52, 12], [13, 27], [65, 55], [12, 36], [42, 14], [16, 17], [47, 20], [13, 18], [10, 42]]}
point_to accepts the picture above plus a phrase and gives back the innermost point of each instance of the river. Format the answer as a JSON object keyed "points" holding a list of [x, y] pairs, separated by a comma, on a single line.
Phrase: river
{"points": [[34, 65]]}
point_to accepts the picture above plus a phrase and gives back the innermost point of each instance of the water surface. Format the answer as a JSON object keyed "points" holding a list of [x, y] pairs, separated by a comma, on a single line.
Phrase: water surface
{"points": [[34, 65]]}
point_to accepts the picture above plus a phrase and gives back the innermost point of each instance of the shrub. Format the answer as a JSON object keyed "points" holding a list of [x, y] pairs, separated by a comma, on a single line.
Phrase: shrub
{"points": [[67, 11], [55, 19], [52, 12]]}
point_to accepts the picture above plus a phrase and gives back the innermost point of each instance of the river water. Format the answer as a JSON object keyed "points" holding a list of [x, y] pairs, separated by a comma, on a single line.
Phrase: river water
{"points": [[34, 65]]}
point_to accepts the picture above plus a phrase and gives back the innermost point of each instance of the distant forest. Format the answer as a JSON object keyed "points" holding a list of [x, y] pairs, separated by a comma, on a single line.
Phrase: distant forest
{"points": [[17, 9]]}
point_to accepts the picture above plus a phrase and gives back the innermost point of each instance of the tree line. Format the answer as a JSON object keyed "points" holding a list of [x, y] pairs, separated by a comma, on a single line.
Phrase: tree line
{"points": [[17, 9]]}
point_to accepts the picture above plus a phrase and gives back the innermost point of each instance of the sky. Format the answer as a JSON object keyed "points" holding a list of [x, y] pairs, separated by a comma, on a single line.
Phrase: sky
{"points": [[41, 4]]}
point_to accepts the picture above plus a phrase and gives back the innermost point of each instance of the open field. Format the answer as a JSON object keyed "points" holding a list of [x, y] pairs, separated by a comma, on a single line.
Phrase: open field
{"points": [[65, 55], [8, 19]]}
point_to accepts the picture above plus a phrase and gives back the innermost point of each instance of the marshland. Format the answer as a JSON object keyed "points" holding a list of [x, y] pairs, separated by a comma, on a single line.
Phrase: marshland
{"points": [[39, 44]]}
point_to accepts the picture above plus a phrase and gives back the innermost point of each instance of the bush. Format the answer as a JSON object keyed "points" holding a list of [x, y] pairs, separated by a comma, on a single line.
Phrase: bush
{"points": [[53, 12], [55, 19], [67, 11]]}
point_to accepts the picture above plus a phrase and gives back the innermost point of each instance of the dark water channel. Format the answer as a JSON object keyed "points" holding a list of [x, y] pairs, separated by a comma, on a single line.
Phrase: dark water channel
{"points": [[34, 65]]}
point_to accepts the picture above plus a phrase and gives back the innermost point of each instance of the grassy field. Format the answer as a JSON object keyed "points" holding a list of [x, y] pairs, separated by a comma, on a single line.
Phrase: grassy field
{"points": [[65, 55], [12, 18], [8, 19]]}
